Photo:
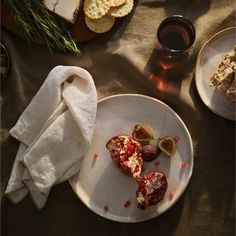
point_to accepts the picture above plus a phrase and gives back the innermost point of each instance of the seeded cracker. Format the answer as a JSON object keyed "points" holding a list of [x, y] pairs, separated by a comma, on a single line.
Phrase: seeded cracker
{"points": [[116, 3], [100, 25], [95, 9], [122, 10]]}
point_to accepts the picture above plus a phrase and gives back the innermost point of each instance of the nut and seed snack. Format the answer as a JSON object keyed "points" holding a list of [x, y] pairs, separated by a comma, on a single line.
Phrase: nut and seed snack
{"points": [[224, 76]]}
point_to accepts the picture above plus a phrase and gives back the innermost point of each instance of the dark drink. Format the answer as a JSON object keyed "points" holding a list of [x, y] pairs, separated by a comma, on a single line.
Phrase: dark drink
{"points": [[175, 37]]}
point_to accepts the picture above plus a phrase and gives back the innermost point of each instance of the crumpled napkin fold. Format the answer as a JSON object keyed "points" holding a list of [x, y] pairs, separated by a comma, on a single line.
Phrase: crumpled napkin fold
{"points": [[55, 131]]}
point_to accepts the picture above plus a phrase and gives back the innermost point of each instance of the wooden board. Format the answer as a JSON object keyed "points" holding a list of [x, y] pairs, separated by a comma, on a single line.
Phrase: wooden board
{"points": [[79, 29]]}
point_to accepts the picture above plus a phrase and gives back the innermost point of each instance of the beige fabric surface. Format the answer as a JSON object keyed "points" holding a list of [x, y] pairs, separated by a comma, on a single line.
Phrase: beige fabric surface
{"points": [[123, 61]]}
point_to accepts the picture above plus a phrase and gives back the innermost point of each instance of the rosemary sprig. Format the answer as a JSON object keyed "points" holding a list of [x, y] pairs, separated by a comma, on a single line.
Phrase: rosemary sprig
{"points": [[35, 20]]}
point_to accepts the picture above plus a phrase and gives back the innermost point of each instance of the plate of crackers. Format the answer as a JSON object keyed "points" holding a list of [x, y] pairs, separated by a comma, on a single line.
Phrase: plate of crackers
{"points": [[94, 18], [100, 15], [215, 73]]}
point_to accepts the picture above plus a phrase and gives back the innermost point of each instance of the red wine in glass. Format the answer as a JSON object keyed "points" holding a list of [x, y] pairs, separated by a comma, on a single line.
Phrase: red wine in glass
{"points": [[175, 36]]}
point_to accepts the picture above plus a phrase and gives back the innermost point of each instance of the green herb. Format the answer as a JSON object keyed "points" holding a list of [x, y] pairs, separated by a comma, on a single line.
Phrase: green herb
{"points": [[36, 21]]}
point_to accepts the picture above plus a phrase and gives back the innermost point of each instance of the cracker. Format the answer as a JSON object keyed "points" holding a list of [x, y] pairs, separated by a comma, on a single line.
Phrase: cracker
{"points": [[122, 10], [95, 9], [116, 3], [100, 25]]}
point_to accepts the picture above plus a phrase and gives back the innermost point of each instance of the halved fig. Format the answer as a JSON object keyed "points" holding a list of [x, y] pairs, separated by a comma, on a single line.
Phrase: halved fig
{"points": [[142, 133], [167, 145]]}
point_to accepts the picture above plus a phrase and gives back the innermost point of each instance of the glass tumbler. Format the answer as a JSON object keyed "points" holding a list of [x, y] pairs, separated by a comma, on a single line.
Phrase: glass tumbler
{"points": [[175, 37]]}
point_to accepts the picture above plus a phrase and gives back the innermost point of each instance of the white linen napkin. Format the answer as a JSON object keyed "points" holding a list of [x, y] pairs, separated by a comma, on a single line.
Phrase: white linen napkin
{"points": [[54, 131]]}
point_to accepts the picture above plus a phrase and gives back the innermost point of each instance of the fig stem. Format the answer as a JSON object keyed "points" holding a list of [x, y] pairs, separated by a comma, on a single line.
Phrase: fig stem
{"points": [[156, 138]]}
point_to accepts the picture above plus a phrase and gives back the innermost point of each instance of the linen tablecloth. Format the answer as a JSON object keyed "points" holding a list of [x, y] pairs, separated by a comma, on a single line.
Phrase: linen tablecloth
{"points": [[123, 61]]}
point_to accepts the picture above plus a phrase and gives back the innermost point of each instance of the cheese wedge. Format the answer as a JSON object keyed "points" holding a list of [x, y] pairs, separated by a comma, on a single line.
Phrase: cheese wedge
{"points": [[64, 8]]}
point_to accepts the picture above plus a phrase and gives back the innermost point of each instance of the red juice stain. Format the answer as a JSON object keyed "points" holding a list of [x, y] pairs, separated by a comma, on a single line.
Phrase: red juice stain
{"points": [[183, 165], [171, 195], [127, 204], [95, 155]]}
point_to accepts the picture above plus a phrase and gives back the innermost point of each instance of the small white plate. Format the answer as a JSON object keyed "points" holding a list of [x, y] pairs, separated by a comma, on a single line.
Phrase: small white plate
{"points": [[102, 187], [209, 57]]}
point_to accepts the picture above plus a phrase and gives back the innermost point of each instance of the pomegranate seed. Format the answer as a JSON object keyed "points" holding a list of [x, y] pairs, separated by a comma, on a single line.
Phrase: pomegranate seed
{"points": [[130, 149], [183, 165], [171, 195], [95, 155], [176, 138], [136, 168], [117, 145], [127, 204], [157, 163], [106, 208]]}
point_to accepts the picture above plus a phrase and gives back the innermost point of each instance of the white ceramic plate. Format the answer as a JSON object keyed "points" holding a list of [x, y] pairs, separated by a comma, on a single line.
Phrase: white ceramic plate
{"points": [[208, 59], [100, 184]]}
